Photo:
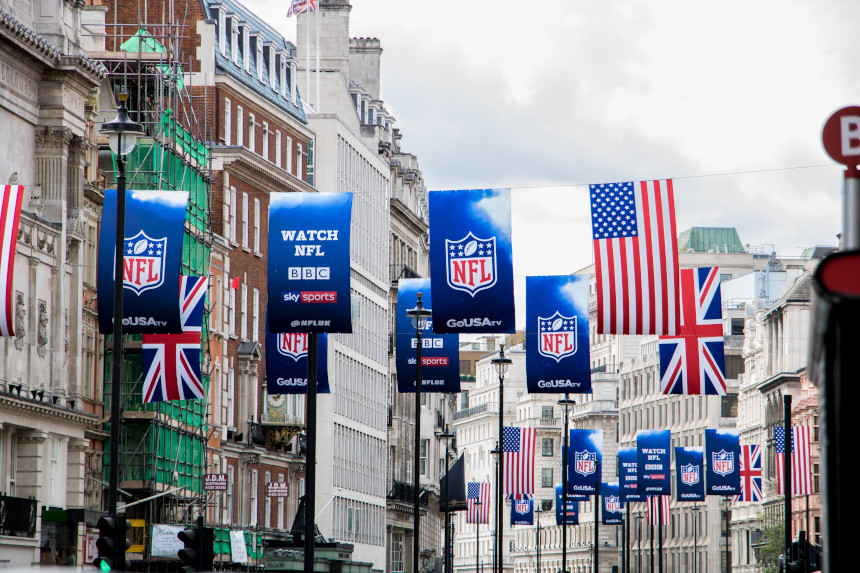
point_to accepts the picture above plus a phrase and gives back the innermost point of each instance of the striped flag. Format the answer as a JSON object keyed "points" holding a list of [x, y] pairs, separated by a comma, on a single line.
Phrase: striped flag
{"points": [[299, 6], [801, 468], [171, 362], [477, 502], [10, 215], [635, 257], [658, 509], [750, 474], [518, 446]]}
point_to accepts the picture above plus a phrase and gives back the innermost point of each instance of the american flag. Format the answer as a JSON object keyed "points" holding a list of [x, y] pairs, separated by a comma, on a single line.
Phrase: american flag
{"points": [[299, 6], [10, 215], [477, 502], [693, 363], [171, 362], [518, 446], [635, 257], [801, 468], [656, 503], [750, 474]]}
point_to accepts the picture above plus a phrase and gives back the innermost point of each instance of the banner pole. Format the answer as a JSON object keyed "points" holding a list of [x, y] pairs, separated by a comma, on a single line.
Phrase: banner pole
{"points": [[311, 453]]}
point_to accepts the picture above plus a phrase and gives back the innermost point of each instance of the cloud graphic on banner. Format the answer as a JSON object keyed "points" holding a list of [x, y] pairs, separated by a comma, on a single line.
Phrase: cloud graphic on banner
{"points": [[496, 209], [170, 199], [569, 292]]}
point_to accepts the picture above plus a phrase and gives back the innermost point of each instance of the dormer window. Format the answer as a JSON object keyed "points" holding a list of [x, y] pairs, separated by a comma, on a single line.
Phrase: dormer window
{"points": [[293, 91], [260, 59], [272, 68], [246, 50], [284, 89], [222, 30], [234, 40]]}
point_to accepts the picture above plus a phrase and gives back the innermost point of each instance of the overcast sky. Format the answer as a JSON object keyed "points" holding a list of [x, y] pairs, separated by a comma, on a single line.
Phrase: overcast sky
{"points": [[728, 99]]}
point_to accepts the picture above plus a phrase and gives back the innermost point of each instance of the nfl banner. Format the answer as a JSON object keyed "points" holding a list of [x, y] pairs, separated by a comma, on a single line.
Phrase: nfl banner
{"points": [[557, 348], [440, 353], [612, 504], [287, 363], [471, 261], [723, 454], [309, 278], [152, 250], [569, 512], [522, 512], [629, 482], [653, 459], [689, 467], [586, 458]]}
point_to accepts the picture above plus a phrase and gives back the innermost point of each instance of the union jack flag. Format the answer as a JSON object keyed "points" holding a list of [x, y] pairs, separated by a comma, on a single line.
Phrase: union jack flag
{"points": [[299, 6], [171, 362], [518, 446], [750, 474], [693, 363], [11, 198], [658, 510], [801, 469], [478, 502]]}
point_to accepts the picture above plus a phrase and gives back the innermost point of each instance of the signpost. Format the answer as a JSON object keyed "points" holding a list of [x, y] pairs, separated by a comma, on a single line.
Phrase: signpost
{"points": [[841, 140]]}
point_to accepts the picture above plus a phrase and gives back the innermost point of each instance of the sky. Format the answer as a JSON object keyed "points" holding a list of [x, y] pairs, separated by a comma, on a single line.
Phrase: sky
{"points": [[727, 99]]}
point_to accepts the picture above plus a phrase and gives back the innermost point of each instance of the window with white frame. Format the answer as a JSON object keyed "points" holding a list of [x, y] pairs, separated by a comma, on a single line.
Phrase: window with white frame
{"points": [[231, 394], [424, 452], [280, 523], [257, 225], [299, 153], [232, 312], [233, 202], [292, 82], [227, 121], [231, 478], [243, 313], [289, 154], [246, 49], [252, 140], [267, 516], [255, 314], [283, 69], [272, 68], [244, 220], [255, 486], [234, 39], [222, 32], [266, 133], [240, 127], [278, 160], [260, 59]]}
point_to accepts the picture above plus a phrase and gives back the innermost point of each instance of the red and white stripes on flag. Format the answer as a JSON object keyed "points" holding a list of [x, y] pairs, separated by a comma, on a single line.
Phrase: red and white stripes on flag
{"points": [[477, 502], [801, 467], [299, 6], [658, 509], [518, 446], [635, 257], [10, 216]]}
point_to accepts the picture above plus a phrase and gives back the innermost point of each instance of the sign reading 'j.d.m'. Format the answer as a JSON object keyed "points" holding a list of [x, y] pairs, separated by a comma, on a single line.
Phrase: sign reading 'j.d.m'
{"points": [[557, 355], [470, 258], [152, 250], [287, 363], [309, 262]]}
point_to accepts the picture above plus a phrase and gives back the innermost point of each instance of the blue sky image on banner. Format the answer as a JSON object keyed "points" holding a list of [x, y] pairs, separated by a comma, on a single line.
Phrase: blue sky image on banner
{"points": [[629, 482], [557, 348], [612, 504], [309, 262], [571, 511], [654, 456], [723, 461], [440, 353], [690, 474], [152, 250], [471, 261], [586, 461], [287, 363]]}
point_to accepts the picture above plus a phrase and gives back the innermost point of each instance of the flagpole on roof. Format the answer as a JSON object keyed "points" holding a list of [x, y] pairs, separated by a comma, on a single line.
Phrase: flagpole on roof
{"points": [[317, 11], [307, 56]]}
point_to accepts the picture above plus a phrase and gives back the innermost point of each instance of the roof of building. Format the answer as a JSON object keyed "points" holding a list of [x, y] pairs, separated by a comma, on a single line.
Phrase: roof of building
{"points": [[710, 240]]}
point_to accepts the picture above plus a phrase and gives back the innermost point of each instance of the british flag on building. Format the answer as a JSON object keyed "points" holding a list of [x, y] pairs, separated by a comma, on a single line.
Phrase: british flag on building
{"points": [[693, 363], [299, 6], [171, 362], [750, 474], [478, 502]]}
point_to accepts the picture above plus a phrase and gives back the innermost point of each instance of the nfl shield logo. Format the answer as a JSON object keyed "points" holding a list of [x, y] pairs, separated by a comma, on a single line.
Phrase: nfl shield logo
{"points": [[143, 260], [613, 503], [557, 336], [471, 263], [723, 462], [585, 462], [522, 506], [690, 474], [293, 344]]}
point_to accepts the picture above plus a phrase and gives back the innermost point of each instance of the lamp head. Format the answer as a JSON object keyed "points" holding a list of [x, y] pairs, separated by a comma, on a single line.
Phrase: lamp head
{"points": [[122, 132], [502, 362], [419, 314]]}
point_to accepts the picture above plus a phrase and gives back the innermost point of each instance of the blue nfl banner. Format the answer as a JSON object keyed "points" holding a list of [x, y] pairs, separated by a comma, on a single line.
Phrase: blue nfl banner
{"points": [[152, 251], [557, 348], [690, 472], [612, 504], [586, 460], [654, 457], [629, 481], [565, 513], [522, 512], [440, 353], [287, 363], [309, 262], [471, 261], [723, 455]]}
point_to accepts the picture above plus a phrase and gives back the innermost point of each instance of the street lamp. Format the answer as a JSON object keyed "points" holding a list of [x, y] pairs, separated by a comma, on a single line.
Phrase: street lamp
{"points": [[122, 136], [538, 512], [447, 435], [639, 542], [695, 535], [502, 363], [566, 402], [726, 500], [419, 316], [477, 504]]}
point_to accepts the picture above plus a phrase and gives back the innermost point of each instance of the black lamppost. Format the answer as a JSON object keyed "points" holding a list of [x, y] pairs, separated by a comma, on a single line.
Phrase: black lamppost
{"points": [[447, 435], [502, 363], [727, 500], [566, 402], [537, 539], [639, 542], [419, 316], [477, 504], [122, 135], [695, 535]]}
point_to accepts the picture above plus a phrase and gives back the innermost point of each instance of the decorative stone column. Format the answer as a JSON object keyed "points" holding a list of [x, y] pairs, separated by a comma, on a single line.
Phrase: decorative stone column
{"points": [[52, 155], [76, 457], [31, 455]]}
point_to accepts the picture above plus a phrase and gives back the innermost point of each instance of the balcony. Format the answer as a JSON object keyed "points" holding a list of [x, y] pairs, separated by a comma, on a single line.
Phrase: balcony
{"points": [[404, 492], [17, 516], [542, 423], [485, 408]]}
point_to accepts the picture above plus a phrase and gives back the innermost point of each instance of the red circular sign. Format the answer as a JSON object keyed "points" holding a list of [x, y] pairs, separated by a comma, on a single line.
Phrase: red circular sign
{"points": [[841, 136]]}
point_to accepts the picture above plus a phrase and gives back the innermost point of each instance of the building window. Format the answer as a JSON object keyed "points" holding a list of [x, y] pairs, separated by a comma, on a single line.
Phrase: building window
{"points": [[267, 512], [546, 477], [257, 225], [255, 486], [309, 170], [545, 504], [243, 316], [283, 60], [397, 551], [546, 447], [222, 32], [299, 153], [240, 127], [289, 154], [260, 59], [244, 220], [255, 314], [425, 446], [231, 477], [546, 412], [233, 312], [266, 133], [234, 39], [227, 118], [815, 475], [278, 160], [246, 50], [252, 140], [280, 522], [272, 68]]}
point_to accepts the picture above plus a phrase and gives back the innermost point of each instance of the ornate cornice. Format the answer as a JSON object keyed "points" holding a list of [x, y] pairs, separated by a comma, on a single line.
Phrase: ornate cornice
{"points": [[23, 405], [257, 171]]}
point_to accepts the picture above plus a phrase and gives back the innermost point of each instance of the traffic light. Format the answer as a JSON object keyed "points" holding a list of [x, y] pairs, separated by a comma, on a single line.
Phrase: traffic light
{"points": [[199, 550], [112, 543]]}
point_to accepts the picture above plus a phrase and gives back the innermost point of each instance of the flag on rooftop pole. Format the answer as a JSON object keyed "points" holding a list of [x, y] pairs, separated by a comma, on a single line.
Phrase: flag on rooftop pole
{"points": [[11, 199], [299, 6], [635, 257], [750, 474], [518, 446], [478, 502], [801, 469]]}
